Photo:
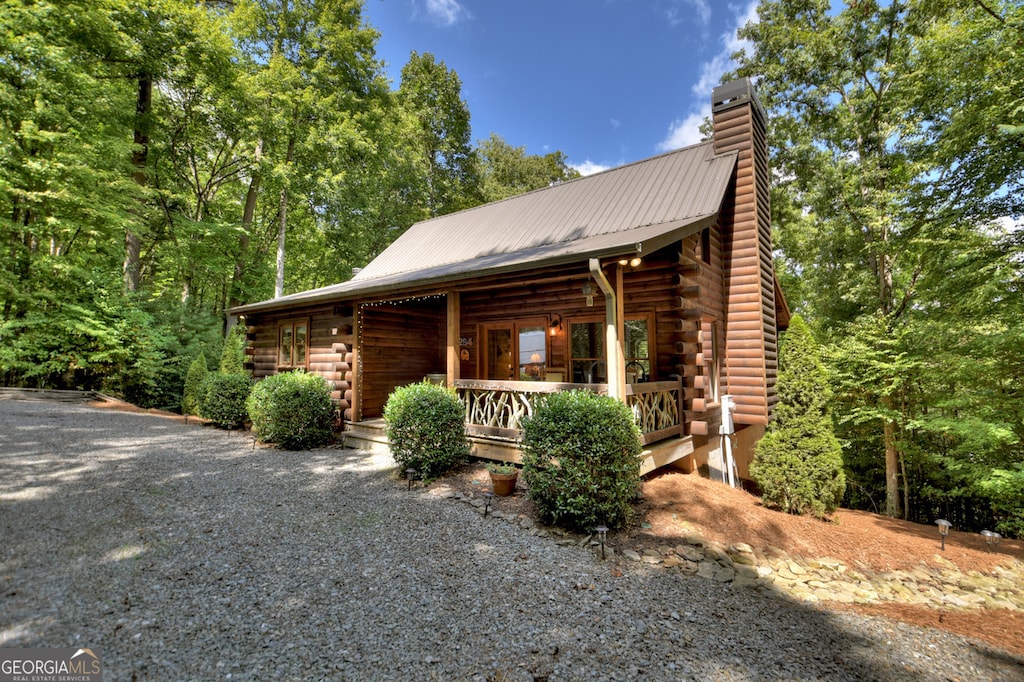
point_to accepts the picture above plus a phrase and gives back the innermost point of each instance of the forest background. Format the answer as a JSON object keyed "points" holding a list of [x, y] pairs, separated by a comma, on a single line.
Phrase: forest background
{"points": [[163, 161]]}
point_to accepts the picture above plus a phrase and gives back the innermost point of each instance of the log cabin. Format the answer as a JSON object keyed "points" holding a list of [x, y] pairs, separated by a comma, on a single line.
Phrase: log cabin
{"points": [[652, 282]]}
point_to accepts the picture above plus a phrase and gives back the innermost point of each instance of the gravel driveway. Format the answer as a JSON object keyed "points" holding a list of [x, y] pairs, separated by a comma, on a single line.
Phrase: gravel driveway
{"points": [[181, 553]]}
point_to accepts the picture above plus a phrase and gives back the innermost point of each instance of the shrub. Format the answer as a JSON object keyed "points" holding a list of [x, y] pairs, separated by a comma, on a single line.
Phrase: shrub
{"points": [[426, 427], [232, 357], [581, 459], [294, 410], [798, 464], [194, 385], [224, 397]]}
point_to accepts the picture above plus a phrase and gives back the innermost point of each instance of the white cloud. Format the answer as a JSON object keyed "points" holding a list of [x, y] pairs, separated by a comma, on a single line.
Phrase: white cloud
{"points": [[445, 12], [676, 14], [588, 167], [685, 131]]}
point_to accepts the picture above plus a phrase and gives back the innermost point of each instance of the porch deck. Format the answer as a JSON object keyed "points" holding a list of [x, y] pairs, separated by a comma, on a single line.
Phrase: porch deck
{"points": [[494, 410]]}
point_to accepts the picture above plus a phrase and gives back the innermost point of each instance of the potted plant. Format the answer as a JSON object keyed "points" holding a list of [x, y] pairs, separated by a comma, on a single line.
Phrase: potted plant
{"points": [[503, 477]]}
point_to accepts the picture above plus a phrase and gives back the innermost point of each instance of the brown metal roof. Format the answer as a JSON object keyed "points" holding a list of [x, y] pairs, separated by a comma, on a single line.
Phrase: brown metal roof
{"points": [[636, 208]]}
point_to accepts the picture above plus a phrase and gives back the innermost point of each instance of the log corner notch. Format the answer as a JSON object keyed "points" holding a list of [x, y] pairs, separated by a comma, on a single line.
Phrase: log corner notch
{"points": [[751, 346]]}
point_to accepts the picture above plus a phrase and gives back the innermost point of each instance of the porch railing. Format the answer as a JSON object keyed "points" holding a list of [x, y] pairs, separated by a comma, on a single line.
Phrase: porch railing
{"points": [[495, 409]]}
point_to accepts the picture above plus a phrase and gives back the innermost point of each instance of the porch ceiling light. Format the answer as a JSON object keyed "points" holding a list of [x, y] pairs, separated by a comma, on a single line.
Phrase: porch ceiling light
{"points": [[944, 527], [992, 538], [633, 262]]}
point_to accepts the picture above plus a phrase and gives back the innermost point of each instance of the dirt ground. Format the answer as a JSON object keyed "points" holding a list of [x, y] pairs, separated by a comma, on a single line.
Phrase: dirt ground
{"points": [[676, 503]]}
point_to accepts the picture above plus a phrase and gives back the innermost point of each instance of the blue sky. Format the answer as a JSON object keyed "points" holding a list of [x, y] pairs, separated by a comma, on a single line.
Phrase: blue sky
{"points": [[605, 81]]}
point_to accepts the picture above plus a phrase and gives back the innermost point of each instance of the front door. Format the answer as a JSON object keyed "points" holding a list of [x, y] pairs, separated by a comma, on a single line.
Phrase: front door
{"points": [[515, 352]]}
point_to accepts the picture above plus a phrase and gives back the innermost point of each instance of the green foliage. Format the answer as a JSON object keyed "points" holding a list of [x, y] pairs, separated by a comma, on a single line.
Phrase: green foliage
{"points": [[224, 399], [195, 384], [508, 171], [426, 427], [581, 459], [294, 410], [798, 463], [232, 356]]}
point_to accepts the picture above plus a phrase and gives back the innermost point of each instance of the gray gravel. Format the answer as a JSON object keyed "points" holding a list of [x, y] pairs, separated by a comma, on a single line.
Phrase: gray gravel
{"points": [[179, 552]]}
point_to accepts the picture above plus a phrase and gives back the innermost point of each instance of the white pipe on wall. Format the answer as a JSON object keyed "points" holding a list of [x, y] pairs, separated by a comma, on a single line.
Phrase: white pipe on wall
{"points": [[613, 353]]}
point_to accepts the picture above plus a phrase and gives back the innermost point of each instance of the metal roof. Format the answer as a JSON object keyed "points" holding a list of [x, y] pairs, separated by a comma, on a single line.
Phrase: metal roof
{"points": [[636, 208]]}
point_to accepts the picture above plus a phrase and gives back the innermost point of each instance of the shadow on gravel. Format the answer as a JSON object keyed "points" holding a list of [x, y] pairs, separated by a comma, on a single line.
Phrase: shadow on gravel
{"points": [[149, 539]]}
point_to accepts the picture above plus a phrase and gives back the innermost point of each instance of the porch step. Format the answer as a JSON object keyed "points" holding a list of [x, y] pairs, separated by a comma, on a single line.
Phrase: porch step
{"points": [[666, 452], [366, 435]]}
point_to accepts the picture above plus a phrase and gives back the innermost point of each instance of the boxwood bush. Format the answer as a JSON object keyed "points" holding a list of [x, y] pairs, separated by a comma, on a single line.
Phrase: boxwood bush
{"points": [[294, 410], [581, 460], [223, 401], [426, 427]]}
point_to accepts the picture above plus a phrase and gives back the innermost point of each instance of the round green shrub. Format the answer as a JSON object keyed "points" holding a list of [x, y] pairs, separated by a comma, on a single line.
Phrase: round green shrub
{"points": [[223, 401], [426, 428], [798, 464], [195, 382], [581, 460], [294, 410]]}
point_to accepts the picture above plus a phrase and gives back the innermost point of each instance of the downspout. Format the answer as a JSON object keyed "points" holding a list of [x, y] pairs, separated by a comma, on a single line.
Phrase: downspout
{"points": [[616, 373]]}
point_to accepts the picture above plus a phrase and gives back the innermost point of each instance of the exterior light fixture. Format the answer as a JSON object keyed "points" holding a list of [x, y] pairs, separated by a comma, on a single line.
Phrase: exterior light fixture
{"points": [[602, 537], [992, 538], [633, 262], [487, 502], [409, 475], [944, 526], [556, 324], [588, 291]]}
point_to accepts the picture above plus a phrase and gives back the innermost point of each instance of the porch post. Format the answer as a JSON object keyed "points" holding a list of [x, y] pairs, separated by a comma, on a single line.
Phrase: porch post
{"points": [[452, 362], [357, 363], [613, 328]]}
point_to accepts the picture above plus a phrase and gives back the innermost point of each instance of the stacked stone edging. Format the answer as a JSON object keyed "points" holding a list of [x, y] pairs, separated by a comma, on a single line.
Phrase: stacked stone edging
{"points": [[773, 570]]}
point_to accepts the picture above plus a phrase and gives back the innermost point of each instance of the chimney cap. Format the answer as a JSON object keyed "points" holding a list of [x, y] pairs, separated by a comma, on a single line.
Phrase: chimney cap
{"points": [[733, 94]]}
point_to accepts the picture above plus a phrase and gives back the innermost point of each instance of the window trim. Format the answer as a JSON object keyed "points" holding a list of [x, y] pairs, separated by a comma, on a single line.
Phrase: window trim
{"points": [[291, 323], [651, 358]]}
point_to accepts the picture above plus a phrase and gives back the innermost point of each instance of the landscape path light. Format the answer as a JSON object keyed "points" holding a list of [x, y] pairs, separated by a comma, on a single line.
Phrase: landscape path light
{"points": [[992, 538], [410, 474], [487, 502], [602, 537], [944, 526]]}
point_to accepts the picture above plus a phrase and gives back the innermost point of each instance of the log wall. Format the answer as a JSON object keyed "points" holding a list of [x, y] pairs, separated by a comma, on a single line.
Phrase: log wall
{"points": [[329, 346], [751, 352]]}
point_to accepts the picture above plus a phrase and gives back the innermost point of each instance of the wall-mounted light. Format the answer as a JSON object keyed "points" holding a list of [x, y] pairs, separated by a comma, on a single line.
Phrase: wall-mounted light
{"points": [[556, 325], [633, 262]]}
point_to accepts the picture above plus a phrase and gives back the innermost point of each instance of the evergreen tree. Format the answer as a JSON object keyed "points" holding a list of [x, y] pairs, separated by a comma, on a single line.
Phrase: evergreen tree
{"points": [[799, 462], [231, 357], [195, 382]]}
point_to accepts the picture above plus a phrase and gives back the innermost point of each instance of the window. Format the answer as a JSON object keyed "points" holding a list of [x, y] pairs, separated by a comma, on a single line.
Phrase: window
{"points": [[291, 343], [588, 361]]}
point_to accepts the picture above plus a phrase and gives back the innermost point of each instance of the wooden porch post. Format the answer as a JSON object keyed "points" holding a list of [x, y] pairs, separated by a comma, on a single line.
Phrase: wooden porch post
{"points": [[357, 363], [613, 331], [453, 363]]}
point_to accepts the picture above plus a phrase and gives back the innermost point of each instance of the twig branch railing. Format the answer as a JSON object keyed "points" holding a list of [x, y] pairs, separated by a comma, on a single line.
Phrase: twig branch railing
{"points": [[495, 409]]}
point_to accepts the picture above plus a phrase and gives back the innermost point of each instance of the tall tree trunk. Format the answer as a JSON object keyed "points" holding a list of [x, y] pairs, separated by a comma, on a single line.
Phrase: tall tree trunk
{"points": [[132, 242], [248, 214], [892, 467], [283, 225]]}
